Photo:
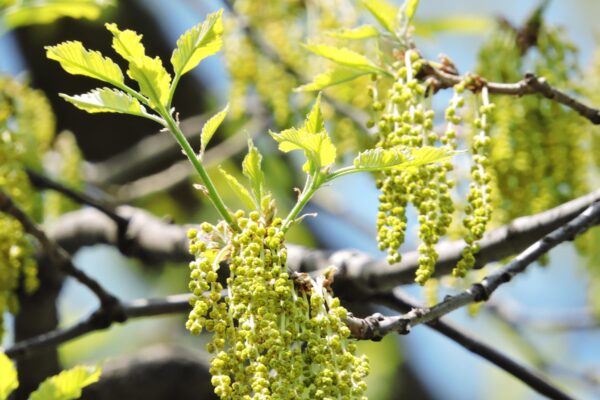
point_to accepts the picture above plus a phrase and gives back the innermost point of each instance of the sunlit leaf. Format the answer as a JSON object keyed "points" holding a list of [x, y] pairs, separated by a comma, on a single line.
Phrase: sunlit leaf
{"points": [[314, 120], [153, 79], [8, 376], [210, 127], [317, 147], [77, 60], [410, 7], [380, 158], [46, 11], [344, 57], [127, 43], [331, 78], [384, 12], [106, 100], [251, 166], [428, 155], [358, 33], [240, 190], [66, 385], [196, 44], [474, 25]]}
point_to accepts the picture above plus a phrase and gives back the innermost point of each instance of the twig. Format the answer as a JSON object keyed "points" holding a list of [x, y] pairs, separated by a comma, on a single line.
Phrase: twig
{"points": [[530, 84], [401, 302], [378, 325], [43, 182], [56, 254], [99, 320]]}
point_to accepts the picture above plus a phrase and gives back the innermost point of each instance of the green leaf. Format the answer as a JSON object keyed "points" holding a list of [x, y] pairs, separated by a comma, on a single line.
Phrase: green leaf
{"points": [[331, 78], [379, 158], [410, 7], [196, 44], [384, 12], [251, 167], [314, 120], [317, 147], [106, 100], [428, 155], [8, 377], [210, 127], [77, 60], [474, 25], [344, 57], [66, 385], [240, 190], [127, 43], [46, 11], [362, 32], [153, 79]]}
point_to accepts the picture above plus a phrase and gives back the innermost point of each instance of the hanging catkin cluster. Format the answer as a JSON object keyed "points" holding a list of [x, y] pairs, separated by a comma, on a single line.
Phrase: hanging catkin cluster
{"points": [[273, 337], [26, 129], [538, 153]]}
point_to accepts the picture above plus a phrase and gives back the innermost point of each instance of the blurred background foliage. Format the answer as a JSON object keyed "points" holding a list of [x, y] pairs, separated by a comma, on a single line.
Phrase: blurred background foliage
{"points": [[261, 64]]}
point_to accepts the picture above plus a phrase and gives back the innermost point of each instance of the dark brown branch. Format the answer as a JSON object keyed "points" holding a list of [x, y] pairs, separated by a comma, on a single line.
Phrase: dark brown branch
{"points": [[43, 182], [529, 85], [100, 319], [155, 241], [56, 255], [400, 302]]}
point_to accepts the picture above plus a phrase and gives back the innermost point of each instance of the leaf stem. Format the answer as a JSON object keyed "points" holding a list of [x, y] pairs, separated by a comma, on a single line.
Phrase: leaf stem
{"points": [[312, 184], [213, 194]]}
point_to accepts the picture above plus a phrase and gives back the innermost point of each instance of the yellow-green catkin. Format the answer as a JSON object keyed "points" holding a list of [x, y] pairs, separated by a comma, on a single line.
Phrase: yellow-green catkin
{"points": [[406, 122], [26, 130], [479, 206], [539, 148], [273, 337]]}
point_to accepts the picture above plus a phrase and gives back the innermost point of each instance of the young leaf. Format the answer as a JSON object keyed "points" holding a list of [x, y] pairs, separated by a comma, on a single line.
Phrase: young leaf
{"points": [[240, 190], [210, 127], [428, 155], [127, 43], [344, 57], [317, 147], [379, 158], [8, 377], [196, 44], [153, 79], [45, 11], [384, 13], [358, 33], [331, 78], [314, 120], [252, 170], [77, 60], [468, 24], [66, 385], [410, 7], [106, 100]]}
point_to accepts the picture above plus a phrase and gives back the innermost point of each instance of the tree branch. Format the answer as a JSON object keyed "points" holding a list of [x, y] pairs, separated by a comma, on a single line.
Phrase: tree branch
{"points": [[155, 241], [57, 256], [99, 320], [400, 302], [378, 325], [530, 84]]}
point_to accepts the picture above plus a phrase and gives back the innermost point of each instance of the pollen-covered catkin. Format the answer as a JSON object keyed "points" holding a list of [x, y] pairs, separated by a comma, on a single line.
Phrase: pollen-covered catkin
{"points": [[274, 337]]}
